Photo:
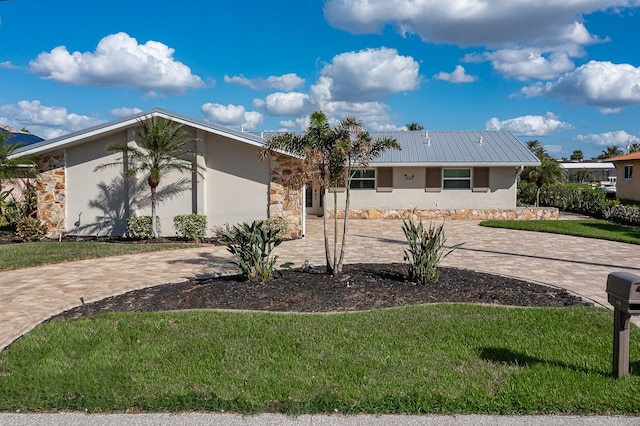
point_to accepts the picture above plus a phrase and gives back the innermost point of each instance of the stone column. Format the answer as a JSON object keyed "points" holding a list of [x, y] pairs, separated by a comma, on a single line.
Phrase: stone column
{"points": [[285, 199], [51, 191]]}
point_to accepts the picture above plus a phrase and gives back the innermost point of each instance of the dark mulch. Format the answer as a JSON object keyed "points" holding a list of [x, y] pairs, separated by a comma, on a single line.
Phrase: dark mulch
{"points": [[361, 287]]}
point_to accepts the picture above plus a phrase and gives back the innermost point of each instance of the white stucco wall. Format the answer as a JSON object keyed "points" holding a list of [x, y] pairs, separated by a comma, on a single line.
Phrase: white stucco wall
{"points": [[409, 192], [237, 182], [233, 188]]}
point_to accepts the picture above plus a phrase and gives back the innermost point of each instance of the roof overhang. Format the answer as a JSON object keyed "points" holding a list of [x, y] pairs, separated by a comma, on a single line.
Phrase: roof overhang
{"points": [[76, 138]]}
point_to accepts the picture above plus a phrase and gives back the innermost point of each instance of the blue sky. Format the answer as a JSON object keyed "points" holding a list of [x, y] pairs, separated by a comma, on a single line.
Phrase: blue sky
{"points": [[564, 72]]}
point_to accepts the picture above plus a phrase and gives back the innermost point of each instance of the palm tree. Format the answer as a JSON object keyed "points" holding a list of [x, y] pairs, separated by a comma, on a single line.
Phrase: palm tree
{"points": [[328, 159], [414, 126], [549, 171], [536, 147], [162, 147], [13, 167], [634, 147], [577, 155], [358, 149], [610, 152]]}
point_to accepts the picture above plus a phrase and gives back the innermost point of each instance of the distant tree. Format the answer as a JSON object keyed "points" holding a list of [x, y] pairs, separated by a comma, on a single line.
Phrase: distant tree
{"points": [[610, 152], [577, 155], [634, 147], [25, 130], [536, 147], [415, 126], [162, 147]]}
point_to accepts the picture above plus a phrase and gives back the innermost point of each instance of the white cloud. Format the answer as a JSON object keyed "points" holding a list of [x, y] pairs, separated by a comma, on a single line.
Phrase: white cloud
{"points": [[7, 65], [524, 64], [285, 82], [490, 23], [529, 125], [369, 75], [601, 84], [618, 138], [279, 103], [458, 75], [118, 61], [553, 149], [125, 112], [231, 115], [46, 121]]}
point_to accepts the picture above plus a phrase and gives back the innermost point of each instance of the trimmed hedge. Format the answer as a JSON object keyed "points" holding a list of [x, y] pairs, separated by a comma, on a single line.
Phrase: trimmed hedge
{"points": [[140, 227], [191, 226]]}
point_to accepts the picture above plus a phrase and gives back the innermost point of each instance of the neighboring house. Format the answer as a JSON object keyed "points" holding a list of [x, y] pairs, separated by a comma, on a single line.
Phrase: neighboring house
{"points": [[18, 136], [598, 171], [627, 185], [458, 174]]}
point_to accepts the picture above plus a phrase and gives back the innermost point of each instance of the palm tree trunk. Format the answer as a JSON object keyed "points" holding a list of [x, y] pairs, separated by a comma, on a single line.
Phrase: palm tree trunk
{"points": [[335, 231], [154, 224], [325, 228], [347, 202], [538, 189]]}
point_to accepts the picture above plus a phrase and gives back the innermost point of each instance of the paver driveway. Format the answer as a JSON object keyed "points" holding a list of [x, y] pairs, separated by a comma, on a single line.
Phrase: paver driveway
{"points": [[581, 265]]}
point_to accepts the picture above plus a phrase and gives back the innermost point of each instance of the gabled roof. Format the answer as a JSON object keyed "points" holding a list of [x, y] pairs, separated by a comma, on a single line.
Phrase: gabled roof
{"points": [[117, 125], [627, 157]]}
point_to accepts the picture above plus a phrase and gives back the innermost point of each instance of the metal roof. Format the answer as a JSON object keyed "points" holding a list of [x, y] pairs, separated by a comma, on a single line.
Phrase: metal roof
{"points": [[456, 148], [419, 148]]}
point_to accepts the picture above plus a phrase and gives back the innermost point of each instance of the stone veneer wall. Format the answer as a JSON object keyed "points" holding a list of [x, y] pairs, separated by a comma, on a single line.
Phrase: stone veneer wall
{"points": [[518, 213], [51, 191], [285, 201]]}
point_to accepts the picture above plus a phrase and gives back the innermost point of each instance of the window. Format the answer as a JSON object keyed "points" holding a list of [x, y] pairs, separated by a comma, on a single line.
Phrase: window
{"points": [[456, 179], [363, 179], [628, 172]]}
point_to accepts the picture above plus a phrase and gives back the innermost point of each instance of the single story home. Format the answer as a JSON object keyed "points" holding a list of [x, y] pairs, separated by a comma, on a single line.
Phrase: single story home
{"points": [[627, 185], [463, 174]]}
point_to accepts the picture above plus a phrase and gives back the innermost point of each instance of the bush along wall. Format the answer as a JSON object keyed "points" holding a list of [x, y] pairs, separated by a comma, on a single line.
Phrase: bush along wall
{"points": [[191, 226], [580, 198]]}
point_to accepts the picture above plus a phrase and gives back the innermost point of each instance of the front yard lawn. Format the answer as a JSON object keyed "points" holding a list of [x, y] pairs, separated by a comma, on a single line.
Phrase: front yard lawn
{"points": [[448, 358], [589, 228]]}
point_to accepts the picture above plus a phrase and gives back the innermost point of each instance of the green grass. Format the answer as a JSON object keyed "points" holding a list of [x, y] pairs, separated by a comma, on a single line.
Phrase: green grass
{"points": [[23, 255], [590, 228], [420, 359]]}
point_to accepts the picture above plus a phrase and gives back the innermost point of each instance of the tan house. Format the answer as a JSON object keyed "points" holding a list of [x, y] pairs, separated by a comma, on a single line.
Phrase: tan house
{"points": [[469, 175], [627, 185]]}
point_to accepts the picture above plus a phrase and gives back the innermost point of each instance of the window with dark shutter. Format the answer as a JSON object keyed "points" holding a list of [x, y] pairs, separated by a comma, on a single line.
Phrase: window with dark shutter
{"points": [[481, 179], [384, 179], [433, 179]]}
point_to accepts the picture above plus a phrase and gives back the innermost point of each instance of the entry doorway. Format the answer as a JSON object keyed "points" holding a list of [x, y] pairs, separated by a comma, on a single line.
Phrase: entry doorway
{"points": [[313, 199]]}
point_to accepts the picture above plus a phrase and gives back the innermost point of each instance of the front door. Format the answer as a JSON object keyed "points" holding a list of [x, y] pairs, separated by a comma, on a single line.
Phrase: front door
{"points": [[313, 199]]}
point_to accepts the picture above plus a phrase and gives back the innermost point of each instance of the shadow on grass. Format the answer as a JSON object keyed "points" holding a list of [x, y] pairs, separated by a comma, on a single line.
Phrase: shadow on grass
{"points": [[615, 228], [507, 356]]}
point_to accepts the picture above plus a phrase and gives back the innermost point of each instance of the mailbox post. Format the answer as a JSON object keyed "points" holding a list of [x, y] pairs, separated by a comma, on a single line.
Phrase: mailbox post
{"points": [[623, 289]]}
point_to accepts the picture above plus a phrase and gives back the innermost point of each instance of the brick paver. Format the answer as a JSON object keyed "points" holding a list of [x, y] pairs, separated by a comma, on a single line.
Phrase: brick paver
{"points": [[581, 265]]}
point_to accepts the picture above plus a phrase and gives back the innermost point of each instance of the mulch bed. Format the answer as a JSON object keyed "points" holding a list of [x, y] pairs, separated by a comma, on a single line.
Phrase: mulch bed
{"points": [[361, 287]]}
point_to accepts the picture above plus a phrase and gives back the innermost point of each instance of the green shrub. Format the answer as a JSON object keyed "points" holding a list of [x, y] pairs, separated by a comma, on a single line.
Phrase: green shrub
{"points": [[426, 250], [191, 226], [278, 225], [252, 245], [140, 227], [31, 229]]}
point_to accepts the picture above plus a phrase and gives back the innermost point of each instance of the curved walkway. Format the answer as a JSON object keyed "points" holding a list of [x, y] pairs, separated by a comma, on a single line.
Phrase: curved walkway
{"points": [[580, 265]]}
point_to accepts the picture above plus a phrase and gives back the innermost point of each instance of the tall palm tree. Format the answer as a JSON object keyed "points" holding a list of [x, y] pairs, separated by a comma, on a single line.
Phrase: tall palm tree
{"points": [[328, 158], [162, 147], [634, 147]]}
